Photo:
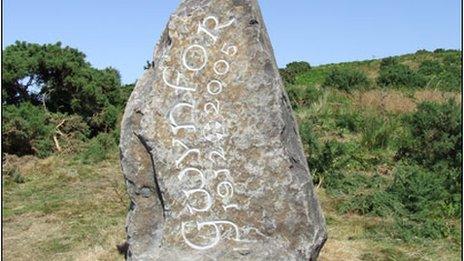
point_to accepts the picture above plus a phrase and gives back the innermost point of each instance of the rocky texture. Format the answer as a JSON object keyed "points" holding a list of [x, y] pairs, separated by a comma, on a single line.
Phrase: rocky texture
{"points": [[210, 150]]}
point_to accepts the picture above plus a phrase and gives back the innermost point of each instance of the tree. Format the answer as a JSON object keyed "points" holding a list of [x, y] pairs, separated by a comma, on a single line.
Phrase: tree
{"points": [[60, 79]]}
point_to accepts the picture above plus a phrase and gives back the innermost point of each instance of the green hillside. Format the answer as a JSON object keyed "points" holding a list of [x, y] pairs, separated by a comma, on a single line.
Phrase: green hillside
{"points": [[382, 138], [383, 142]]}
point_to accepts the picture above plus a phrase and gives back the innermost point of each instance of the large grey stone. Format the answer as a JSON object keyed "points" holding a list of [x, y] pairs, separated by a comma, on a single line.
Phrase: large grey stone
{"points": [[213, 162]]}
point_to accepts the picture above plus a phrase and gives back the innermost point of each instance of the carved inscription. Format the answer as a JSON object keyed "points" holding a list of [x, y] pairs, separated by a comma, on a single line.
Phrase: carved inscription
{"points": [[195, 58]]}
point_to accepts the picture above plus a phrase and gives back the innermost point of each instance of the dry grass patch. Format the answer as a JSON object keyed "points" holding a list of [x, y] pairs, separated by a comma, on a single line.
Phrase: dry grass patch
{"points": [[350, 238], [64, 211], [390, 101], [436, 96], [396, 101]]}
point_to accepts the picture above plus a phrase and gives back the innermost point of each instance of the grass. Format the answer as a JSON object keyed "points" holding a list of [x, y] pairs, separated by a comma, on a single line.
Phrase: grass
{"points": [[73, 207], [65, 210], [367, 126], [69, 211], [446, 80], [350, 239]]}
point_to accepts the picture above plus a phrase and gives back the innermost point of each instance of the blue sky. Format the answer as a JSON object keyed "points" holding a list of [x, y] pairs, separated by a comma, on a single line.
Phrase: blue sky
{"points": [[122, 33]]}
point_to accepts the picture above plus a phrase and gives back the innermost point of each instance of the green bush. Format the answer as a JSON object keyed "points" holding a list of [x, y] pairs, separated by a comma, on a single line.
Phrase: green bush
{"points": [[30, 130], [420, 191], [292, 70], [321, 157], [72, 132], [400, 75], [106, 119], [378, 203], [430, 67], [376, 132], [422, 51], [413, 228], [444, 74], [98, 148], [287, 77], [435, 135], [350, 120], [346, 79], [302, 96], [451, 77], [340, 182], [429, 202], [452, 59], [453, 185], [26, 129], [439, 50], [326, 158], [298, 67], [387, 62], [64, 81], [419, 200]]}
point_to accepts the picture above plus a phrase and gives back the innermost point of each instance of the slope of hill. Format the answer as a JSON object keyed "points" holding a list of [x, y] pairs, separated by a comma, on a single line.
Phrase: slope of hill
{"points": [[385, 157]]}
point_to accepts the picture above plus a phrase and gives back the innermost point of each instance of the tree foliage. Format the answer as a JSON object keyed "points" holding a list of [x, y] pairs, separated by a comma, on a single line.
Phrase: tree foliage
{"points": [[63, 81], [26, 130], [50, 88]]}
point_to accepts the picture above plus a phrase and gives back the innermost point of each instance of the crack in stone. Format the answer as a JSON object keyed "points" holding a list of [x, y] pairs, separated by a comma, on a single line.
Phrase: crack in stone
{"points": [[157, 186]]}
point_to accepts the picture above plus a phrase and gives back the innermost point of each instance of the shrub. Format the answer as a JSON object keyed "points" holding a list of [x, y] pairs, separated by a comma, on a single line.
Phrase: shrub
{"points": [[326, 159], [418, 199], [422, 51], [350, 120], [412, 228], [439, 50], [451, 77], [63, 80], [126, 92], [322, 157], [99, 148], [400, 75], [430, 67], [343, 183], [453, 185], [29, 129], [420, 191], [71, 132], [377, 203], [106, 119], [450, 80], [292, 70], [346, 79], [427, 197], [444, 74], [298, 67], [376, 132], [287, 77], [301, 96], [26, 130], [434, 135], [452, 59], [389, 61]]}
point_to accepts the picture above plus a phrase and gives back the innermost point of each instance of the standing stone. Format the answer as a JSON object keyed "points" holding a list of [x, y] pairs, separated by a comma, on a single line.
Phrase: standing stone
{"points": [[211, 154]]}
